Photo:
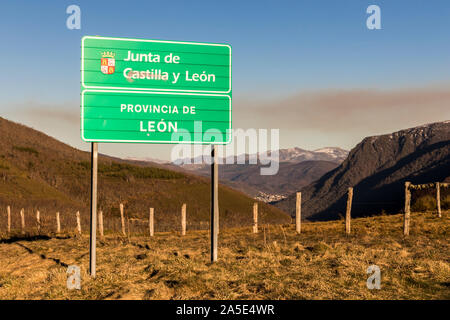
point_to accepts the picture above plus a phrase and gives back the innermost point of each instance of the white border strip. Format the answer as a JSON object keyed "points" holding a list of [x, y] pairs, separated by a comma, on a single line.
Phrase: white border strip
{"points": [[154, 141], [150, 89]]}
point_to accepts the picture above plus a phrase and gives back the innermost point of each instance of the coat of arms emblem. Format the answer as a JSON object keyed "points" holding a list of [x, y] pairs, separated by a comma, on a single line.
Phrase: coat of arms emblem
{"points": [[108, 63]]}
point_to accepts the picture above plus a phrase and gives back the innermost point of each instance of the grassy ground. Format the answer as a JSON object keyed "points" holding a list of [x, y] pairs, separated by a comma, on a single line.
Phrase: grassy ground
{"points": [[276, 263]]}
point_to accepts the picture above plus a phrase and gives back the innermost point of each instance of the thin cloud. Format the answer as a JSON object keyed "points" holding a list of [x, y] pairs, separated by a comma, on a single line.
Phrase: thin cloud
{"points": [[48, 112], [345, 111], [309, 119]]}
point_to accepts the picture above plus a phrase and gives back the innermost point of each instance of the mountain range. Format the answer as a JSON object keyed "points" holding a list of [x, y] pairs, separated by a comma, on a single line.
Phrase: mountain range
{"points": [[294, 155], [377, 169], [38, 171], [297, 168]]}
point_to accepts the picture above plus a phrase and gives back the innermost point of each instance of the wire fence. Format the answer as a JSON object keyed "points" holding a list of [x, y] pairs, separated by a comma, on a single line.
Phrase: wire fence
{"points": [[46, 222]]}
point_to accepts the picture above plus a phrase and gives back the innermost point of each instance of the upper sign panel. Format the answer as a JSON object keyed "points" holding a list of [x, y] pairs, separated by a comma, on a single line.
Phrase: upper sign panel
{"points": [[155, 65]]}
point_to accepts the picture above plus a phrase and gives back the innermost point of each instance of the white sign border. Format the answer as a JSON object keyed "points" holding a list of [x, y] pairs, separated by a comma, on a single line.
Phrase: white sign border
{"points": [[144, 40]]}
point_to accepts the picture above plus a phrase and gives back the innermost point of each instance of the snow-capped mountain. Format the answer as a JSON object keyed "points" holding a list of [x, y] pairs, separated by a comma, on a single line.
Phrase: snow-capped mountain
{"points": [[377, 168], [297, 168], [338, 153], [292, 155], [334, 154]]}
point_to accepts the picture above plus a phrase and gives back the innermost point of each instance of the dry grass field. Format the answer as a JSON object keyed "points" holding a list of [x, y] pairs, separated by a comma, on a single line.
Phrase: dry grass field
{"points": [[276, 263]]}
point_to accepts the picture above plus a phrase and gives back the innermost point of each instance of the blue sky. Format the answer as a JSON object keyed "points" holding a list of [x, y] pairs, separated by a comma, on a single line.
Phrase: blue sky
{"points": [[280, 48]]}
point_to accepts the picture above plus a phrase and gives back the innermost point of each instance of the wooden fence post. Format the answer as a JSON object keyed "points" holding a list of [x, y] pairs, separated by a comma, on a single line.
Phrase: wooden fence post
{"points": [[122, 217], [407, 208], [8, 209], [128, 228], [348, 213], [150, 222], [78, 222], [22, 218], [100, 223], [58, 223], [298, 213], [38, 221], [183, 219], [255, 217], [438, 199]]}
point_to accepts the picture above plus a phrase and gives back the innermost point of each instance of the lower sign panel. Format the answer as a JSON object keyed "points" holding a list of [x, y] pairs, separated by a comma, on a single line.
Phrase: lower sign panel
{"points": [[155, 117]]}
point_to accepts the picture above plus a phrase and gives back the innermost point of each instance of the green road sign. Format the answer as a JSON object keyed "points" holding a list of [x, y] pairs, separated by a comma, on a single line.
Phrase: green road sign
{"points": [[155, 117], [152, 91], [155, 65]]}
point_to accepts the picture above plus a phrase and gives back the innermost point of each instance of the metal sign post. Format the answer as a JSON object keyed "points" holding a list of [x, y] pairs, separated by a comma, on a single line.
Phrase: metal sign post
{"points": [[214, 203], [93, 231], [155, 91]]}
